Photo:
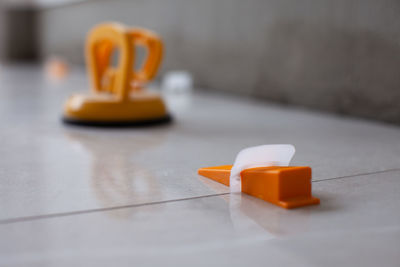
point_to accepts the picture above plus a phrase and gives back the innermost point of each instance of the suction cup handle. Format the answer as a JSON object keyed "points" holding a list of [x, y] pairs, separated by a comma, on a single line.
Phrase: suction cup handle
{"points": [[152, 42], [100, 43], [138, 37]]}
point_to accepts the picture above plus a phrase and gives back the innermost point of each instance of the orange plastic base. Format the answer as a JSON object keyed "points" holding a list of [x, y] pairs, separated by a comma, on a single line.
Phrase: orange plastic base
{"points": [[287, 187]]}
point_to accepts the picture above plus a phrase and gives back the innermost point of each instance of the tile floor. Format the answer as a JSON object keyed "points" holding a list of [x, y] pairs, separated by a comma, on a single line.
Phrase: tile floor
{"points": [[73, 196]]}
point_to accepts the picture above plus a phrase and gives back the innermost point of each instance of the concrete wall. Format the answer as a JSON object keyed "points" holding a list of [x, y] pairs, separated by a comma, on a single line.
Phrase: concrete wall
{"points": [[336, 55]]}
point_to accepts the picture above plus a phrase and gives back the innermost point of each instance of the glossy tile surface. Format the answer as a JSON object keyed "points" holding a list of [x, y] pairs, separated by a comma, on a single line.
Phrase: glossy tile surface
{"points": [[48, 167], [357, 224]]}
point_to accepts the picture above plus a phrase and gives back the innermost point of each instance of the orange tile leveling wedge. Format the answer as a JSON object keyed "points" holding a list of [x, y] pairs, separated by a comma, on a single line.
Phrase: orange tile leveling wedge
{"points": [[287, 187], [118, 97]]}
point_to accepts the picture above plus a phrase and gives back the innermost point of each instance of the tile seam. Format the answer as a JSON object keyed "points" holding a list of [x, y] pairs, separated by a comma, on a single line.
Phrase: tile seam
{"points": [[71, 213]]}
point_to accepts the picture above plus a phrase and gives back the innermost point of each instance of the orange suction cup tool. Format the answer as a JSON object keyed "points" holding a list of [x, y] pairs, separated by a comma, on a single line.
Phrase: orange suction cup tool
{"points": [[118, 96], [287, 187]]}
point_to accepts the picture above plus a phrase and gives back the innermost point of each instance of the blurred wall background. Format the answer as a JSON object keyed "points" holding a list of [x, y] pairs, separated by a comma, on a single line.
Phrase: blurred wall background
{"points": [[19, 33], [341, 56]]}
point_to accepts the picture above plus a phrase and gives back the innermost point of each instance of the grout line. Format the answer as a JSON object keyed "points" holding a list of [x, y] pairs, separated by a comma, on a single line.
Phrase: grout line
{"points": [[62, 214], [356, 175]]}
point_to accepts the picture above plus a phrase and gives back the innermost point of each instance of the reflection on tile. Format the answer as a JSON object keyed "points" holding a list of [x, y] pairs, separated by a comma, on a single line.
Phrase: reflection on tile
{"points": [[115, 178], [355, 224]]}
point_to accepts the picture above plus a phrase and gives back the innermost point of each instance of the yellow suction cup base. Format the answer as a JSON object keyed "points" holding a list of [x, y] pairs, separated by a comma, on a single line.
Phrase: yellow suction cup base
{"points": [[107, 110]]}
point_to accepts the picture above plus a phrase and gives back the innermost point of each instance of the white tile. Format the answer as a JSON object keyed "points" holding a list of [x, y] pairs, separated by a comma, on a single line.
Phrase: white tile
{"points": [[47, 167], [357, 224]]}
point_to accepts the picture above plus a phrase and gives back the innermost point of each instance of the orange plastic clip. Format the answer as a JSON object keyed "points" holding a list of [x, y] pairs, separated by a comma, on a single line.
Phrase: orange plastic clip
{"points": [[287, 187]]}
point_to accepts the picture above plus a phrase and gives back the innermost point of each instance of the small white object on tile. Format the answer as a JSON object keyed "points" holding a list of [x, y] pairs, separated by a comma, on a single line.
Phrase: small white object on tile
{"points": [[177, 82]]}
